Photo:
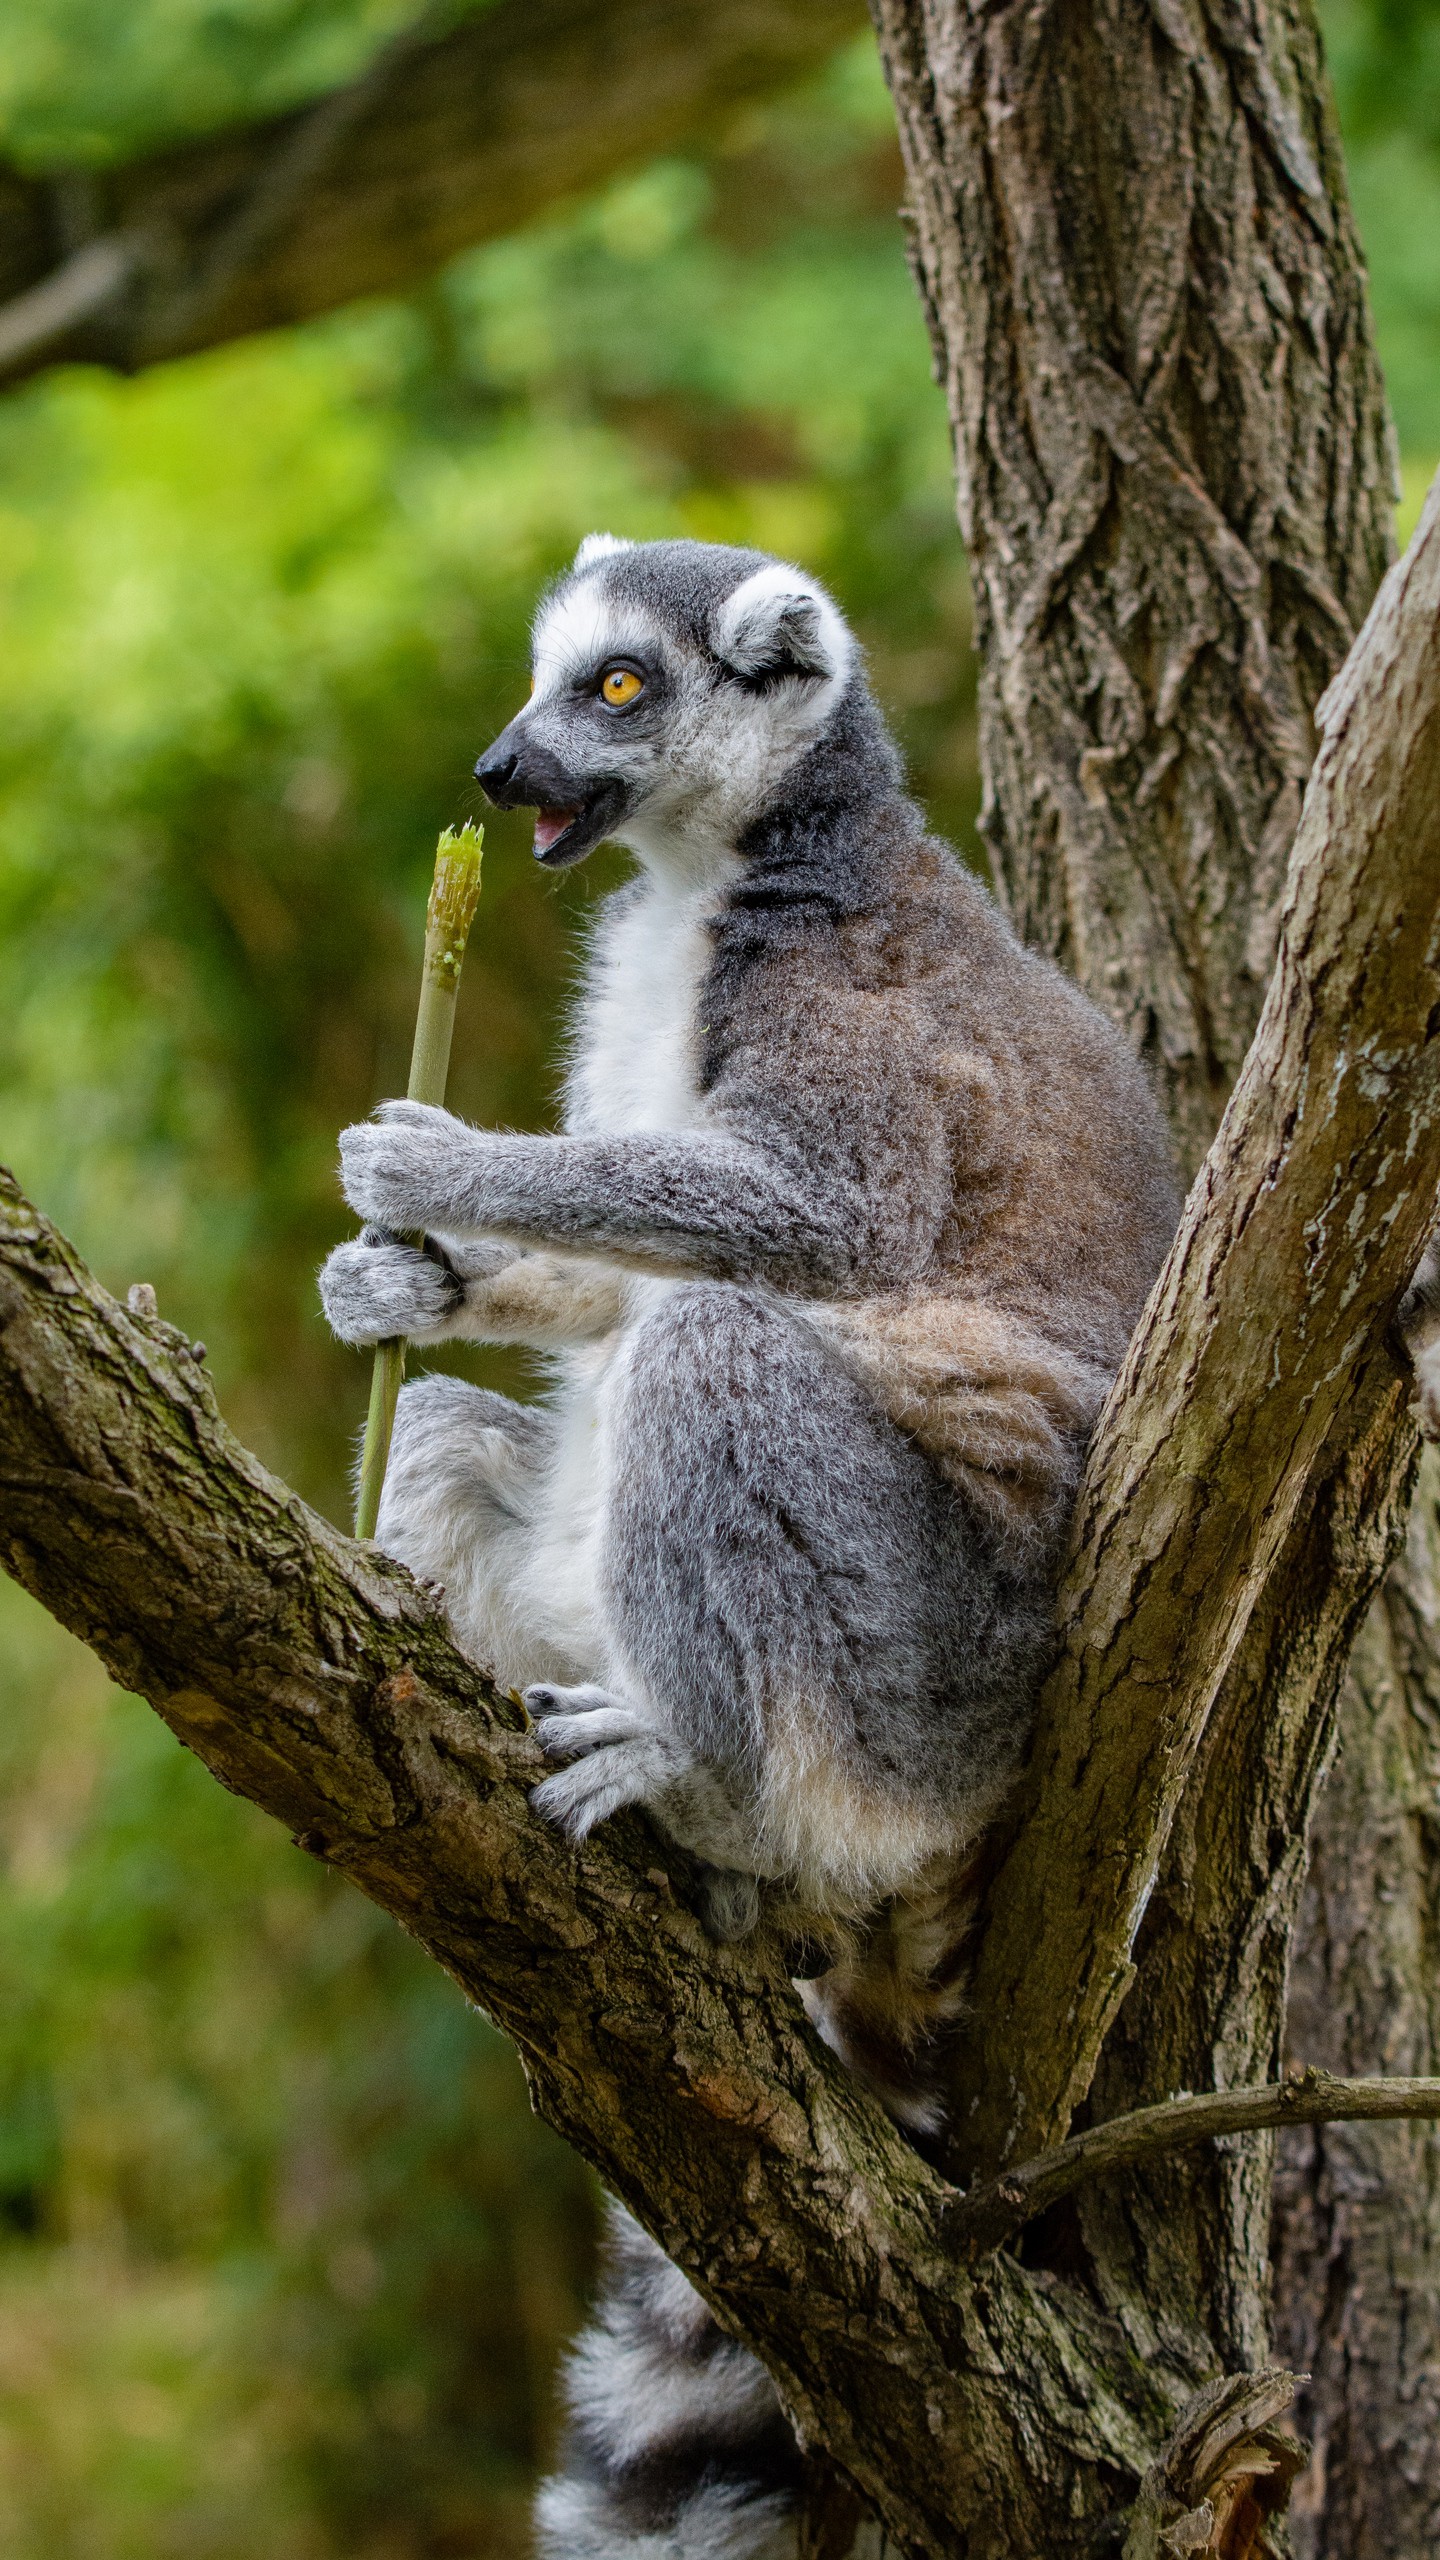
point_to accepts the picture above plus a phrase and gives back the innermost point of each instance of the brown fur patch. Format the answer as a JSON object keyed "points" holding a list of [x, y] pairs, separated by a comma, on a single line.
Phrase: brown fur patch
{"points": [[1004, 1412]]}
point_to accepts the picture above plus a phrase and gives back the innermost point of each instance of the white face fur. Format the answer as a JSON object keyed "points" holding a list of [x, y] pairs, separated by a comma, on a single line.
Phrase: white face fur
{"points": [[698, 733]]}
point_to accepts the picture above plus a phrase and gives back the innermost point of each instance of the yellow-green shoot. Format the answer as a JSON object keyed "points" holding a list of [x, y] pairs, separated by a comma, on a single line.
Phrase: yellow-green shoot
{"points": [[454, 897]]}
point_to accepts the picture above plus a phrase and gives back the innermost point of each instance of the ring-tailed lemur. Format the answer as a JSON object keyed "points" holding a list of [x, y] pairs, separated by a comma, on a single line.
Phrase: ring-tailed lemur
{"points": [[854, 1209]]}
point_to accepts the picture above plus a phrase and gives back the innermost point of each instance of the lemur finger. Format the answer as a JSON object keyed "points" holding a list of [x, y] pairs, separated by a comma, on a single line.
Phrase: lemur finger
{"points": [[401, 1113], [476, 1257], [572, 1737], [393, 1174]]}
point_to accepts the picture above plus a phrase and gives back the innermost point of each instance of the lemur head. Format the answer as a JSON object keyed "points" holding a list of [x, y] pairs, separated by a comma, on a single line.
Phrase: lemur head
{"points": [[675, 682]]}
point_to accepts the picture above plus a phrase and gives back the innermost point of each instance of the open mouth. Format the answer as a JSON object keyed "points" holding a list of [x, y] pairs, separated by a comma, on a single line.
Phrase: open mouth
{"points": [[565, 834], [550, 826]]}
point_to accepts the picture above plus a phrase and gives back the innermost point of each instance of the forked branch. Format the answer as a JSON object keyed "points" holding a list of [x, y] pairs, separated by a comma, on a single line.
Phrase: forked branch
{"points": [[314, 1677]]}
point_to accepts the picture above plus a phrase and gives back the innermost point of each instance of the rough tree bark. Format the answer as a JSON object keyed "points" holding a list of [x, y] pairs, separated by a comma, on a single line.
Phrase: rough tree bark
{"points": [[1130, 233], [982, 2402], [454, 134], [1357, 2222]]}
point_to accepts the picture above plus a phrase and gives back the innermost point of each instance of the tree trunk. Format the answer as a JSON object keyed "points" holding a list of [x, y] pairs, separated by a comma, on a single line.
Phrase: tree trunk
{"points": [[1357, 2218], [1147, 304]]}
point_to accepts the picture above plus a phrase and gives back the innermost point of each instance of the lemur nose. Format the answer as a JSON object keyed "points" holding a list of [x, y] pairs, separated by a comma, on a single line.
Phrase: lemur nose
{"points": [[495, 772]]}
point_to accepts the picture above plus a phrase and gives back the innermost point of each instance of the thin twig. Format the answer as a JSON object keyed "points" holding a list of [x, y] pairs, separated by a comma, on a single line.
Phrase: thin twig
{"points": [[95, 276], [454, 896], [993, 2213]]}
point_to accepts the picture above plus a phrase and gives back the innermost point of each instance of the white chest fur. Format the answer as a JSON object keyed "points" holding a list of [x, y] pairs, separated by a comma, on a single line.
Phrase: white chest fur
{"points": [[637, 1034], [635, 1056]]}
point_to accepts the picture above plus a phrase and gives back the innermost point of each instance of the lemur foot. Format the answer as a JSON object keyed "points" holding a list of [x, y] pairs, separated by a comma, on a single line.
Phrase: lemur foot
{"points": [[612, 1756]]}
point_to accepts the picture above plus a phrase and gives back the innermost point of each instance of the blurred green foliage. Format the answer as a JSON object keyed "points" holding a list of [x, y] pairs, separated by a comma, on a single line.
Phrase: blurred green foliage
{"points": [[83, 83], [1385, 62], [284, 2262]]}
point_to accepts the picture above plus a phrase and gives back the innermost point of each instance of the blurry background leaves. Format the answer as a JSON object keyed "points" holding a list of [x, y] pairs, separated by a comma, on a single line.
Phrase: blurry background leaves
{"points": [[284, 2261], [83, 83]]}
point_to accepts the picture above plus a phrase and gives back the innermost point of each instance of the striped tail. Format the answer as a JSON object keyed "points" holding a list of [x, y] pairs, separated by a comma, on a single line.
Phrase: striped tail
{"points": [[676, 2446]]}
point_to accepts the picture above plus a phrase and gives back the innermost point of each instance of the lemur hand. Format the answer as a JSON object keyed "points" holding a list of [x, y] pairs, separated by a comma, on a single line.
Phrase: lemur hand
{"points": [[407, 1167], [376, 1287]]}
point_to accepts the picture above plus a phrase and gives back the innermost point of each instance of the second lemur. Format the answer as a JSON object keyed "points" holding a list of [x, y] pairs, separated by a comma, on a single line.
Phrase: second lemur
{"points": [[854, 1207]]}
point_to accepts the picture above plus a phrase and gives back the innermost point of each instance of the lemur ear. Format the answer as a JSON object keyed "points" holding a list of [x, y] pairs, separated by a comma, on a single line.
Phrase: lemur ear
{"points": [[777, 624], [599, 546]]}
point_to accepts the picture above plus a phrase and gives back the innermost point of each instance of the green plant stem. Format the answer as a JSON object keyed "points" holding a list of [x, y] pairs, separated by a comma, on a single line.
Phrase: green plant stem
{"points": [[454, 896]]}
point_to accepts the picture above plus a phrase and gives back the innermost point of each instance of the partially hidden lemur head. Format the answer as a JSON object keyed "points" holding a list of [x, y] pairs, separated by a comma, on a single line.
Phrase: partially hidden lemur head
{"points": [[674, 684]]}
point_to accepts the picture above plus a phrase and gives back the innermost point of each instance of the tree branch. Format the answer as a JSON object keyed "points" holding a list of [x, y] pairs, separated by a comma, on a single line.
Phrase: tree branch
{"points": [[1297, 1242], [314, 1677], [450, 138], [993, 2213]]}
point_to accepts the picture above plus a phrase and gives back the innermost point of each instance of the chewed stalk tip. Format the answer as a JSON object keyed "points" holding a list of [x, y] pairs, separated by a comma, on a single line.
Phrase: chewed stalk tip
{"points": [[456, 893]]}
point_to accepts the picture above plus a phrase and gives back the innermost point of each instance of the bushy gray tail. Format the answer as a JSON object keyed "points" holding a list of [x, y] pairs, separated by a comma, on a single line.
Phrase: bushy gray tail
{"points": [[676, 2446]]}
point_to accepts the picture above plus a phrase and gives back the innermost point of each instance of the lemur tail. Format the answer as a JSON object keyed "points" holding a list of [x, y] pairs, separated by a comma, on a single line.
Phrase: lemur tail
{"points": [[676, 2446]]}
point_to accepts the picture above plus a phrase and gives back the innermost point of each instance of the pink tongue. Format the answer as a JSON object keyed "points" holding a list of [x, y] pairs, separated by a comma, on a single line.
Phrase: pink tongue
{"points": [[550, 825]]}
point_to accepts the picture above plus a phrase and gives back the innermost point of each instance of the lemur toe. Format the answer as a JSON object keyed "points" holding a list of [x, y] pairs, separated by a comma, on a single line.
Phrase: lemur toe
{"points": [[567, 1738], [1425, 1414], [588, 1792], [571, 1722]]}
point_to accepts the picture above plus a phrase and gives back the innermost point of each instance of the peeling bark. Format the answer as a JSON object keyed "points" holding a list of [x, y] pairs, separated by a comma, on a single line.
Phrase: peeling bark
{"points": [[1228, 2471]]}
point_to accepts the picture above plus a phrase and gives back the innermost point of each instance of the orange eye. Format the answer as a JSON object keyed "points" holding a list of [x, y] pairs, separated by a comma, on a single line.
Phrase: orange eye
{"points": [[620, 685]]}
